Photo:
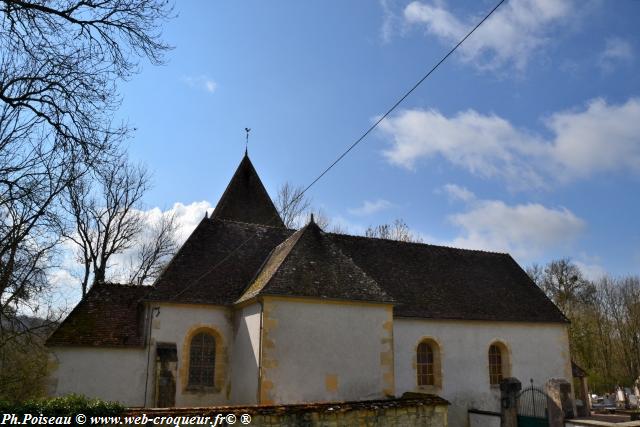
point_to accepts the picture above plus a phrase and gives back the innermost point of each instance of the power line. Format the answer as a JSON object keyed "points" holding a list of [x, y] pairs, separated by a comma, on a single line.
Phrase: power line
{"points": [[399, 101], [357, 141]]}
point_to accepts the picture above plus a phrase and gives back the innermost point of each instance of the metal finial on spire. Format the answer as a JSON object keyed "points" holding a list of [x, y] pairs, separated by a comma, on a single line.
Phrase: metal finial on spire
{"points": [[246, 144]]}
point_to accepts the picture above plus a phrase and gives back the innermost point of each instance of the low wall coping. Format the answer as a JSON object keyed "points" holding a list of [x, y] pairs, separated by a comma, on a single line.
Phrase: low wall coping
{"points": [[413, 401], [595, 423]]}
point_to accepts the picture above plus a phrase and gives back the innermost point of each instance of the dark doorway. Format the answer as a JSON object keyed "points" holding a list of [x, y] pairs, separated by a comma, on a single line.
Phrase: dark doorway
{"points": [[166, 369]]}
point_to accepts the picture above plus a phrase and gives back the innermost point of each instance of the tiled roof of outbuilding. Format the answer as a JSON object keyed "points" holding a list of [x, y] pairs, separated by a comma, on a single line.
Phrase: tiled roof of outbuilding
{"points": [[108, 316], [439, 282], [308, 264]]}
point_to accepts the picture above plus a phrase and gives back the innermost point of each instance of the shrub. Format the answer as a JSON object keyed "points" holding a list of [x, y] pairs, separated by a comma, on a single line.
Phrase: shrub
{"points": [[68, 405]]}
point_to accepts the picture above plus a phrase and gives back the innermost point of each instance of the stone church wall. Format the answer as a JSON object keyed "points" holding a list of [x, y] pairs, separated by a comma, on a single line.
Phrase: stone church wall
{"points": [[105, 373], [315, 350], [536, 351], [177, 324], [245, 355]]}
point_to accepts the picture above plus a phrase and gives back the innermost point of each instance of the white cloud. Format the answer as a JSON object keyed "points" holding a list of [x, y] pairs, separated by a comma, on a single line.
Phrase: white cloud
{"points": [[591, 271], [616, 51], [518, 29], [485, 145], [389, 20], [455, 192], [188, 216], [523, 230], [599, 138], [202, 82], [369, 208]]}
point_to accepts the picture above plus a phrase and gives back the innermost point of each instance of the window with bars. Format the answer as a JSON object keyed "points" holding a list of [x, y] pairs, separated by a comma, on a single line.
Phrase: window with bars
{"points": [[426, 368], [202, 360], [495, 365]]}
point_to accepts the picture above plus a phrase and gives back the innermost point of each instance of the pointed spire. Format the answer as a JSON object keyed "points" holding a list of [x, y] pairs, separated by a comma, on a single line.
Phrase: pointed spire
{"points": [[246, 199]]}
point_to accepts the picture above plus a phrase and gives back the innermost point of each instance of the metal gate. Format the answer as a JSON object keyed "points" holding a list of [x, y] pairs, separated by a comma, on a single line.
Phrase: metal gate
{"points": [[532, 407]]}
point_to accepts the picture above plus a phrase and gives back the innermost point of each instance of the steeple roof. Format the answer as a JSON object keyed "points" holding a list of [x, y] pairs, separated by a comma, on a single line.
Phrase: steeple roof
{"points": [[308, 264], [246, 199]]}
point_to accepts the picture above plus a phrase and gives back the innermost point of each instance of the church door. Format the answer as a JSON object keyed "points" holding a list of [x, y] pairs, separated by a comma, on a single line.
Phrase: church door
{"points": [[166, 369]]}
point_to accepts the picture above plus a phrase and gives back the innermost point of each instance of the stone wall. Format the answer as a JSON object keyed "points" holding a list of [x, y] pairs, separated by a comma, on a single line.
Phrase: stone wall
{"points": [[317, 350], [105, 373], [428, 411]]}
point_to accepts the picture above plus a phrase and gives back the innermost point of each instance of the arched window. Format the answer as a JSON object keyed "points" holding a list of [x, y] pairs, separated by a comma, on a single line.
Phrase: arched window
{"points": [[496, 370], [426, 362], [202, 360]]}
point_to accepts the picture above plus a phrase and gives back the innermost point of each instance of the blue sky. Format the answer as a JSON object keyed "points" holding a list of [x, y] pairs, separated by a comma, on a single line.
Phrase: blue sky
{"points": [[526, 141]]}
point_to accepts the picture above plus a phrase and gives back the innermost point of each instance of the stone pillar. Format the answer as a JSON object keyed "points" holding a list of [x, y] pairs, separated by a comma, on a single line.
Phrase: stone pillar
{"points": [[509, 388], [585, 393], [560, 404]]}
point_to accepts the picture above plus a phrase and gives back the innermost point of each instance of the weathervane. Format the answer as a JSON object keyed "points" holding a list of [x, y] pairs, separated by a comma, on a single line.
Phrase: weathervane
{"points": [[246, 144]]}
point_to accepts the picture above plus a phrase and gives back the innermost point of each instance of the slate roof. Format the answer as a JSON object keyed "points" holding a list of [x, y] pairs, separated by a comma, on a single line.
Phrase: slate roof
{"points": [[308, 264], [108, 316], [246, 200], [217, 262], [438, 282]]}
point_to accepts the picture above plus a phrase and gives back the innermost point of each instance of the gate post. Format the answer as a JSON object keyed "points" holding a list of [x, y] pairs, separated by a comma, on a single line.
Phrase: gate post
{"points": [[559, 401], [509, 388]]}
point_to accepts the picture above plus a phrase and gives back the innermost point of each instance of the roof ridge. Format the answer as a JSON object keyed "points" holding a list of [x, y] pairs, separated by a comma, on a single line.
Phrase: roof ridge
{"points": [[124, 285], [354, 236], [255, 224], [291, 241], [325, 250]]}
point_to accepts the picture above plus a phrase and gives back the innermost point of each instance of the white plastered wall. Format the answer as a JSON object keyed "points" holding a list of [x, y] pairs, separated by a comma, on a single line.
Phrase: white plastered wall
{"points": [[245, 355], [315, 350], [537, 351], [174, 324], [115, 374]]}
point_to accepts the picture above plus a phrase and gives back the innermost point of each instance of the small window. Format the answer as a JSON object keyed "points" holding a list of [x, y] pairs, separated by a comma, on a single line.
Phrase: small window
{"points": [[202, 360], [426, 368], [495, 365]]}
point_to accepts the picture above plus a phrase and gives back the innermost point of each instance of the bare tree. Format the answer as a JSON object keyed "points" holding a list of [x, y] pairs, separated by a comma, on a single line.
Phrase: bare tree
{"points": [[60, 61], [563, 282], [605, 320], [33, 174], [61, 58], [107, 215], [291, 204], [398, 230], [154, 251]]}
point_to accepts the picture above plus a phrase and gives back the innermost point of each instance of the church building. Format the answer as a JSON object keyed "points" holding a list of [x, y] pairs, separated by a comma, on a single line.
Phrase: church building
{"points": [[250, 312]]}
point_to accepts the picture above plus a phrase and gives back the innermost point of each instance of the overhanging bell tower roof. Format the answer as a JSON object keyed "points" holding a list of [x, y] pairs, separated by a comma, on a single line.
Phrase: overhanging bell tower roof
{"points": [[246, 199]]}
